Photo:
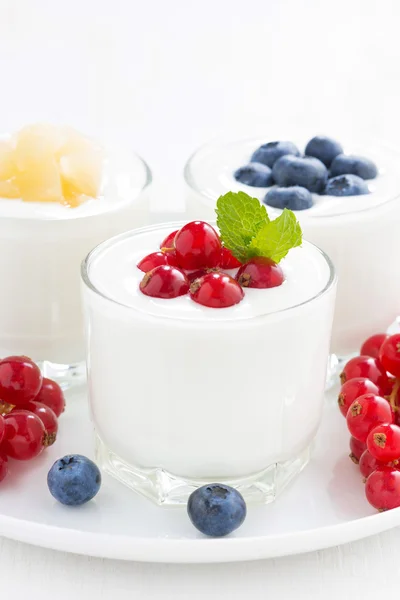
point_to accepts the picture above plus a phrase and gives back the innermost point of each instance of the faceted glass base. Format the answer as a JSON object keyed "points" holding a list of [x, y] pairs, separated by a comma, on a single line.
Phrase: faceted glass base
{"points": [[67, 376], [335, 367], [166, 489]]}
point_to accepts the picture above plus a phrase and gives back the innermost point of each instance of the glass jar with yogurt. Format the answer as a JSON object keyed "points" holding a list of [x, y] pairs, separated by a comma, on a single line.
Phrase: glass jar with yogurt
{"points": [[42, 245], [359, 233], [183, 394]]}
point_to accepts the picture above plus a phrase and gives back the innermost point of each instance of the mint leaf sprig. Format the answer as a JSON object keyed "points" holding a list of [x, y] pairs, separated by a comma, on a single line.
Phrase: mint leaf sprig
{"points": [[247, 231]]}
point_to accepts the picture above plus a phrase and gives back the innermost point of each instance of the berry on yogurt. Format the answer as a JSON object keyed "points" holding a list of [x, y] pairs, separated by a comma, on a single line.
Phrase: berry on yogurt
{"points": [[254, 174], [294, 198], [307, 172], [354, 165], [260, 272], [323, 148], [346, 185], [164, 281], [268, 153], [197, 246], [216, 290]]}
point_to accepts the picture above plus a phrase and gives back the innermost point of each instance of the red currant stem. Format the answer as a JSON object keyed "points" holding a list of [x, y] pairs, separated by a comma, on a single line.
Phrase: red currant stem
{"points": [[6, 408], [393, 395]]}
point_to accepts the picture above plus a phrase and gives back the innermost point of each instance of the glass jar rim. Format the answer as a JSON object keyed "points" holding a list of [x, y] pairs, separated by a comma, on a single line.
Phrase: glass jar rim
{"points": [[190, 178]]}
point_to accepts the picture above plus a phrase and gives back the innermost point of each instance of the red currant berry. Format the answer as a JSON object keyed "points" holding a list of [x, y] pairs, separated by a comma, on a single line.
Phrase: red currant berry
{"points": [[389, 354], [352, 389], [193, 275], [25, 435], [48, 418], [165, 282], [228, 261], [216, 290], [52, 396], [197, 246], [368, 367], [3, 465], [368, 463], [373, 344], [2, 428], [356, 449], [20, 380], [168, 242], [383, 442], [155, 259], [382, 488], [260, 272], [367, 412]]}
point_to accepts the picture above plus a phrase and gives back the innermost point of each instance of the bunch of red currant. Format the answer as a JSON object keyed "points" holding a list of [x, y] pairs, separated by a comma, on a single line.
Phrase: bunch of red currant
{"points": [[29, 409], [192, 260], [370, 400]]}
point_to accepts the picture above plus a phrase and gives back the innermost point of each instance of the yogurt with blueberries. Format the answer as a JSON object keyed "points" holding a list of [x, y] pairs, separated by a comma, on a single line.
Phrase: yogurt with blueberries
{"points": [[182, 392], [346, 197]]}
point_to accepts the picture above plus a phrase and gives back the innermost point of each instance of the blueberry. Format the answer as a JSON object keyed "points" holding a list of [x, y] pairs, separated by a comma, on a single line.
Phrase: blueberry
{"points": [[354, 165], [324, 148], [346, 185], [255, 174], [295, 198], [307, 172], [74, 479], [268, 154], [216, 509]]}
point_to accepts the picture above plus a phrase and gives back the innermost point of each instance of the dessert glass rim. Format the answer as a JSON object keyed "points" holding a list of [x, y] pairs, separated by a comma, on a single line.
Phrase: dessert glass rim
{"points": [[100, 248], [148, 179], [190, 179]]}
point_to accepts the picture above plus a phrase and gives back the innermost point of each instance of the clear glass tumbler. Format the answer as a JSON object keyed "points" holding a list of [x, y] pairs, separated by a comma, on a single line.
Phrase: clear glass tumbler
{"points": [[178, 401], [41, 250]]}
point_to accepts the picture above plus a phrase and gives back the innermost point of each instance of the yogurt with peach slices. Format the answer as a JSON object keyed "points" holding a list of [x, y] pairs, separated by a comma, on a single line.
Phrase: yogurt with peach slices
{"points": [[60, 195], [224, 392]]}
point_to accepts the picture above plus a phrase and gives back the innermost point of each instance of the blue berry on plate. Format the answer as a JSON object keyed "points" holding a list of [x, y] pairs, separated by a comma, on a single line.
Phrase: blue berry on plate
{"points": [[307, 172], [268, 154], [216, 509], [294, 198], [323, 148], [346, 185], [345, 164], [74, 480], [254, 174]]}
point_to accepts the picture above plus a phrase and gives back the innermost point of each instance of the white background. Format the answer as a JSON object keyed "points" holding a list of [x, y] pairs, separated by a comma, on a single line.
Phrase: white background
{"points": [[165, 76]]}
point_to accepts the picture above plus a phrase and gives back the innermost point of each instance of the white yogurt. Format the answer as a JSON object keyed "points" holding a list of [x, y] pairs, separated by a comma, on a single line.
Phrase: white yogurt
{"points": [[359, 233], [41, 248], [200, 393]]}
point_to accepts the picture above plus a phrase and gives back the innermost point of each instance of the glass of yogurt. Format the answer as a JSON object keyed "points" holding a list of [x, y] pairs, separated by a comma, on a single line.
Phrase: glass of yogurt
{"points": [[42, 245], [359, 233], [182, 394]]}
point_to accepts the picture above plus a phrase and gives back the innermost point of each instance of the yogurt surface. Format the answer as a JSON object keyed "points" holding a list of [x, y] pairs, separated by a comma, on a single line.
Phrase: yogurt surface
{"points": [[113, 272], [210, 172], [124, 177]]}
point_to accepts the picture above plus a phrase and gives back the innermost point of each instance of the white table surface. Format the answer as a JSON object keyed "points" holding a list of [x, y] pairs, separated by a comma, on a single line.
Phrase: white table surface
{"points": [[167, 75]]}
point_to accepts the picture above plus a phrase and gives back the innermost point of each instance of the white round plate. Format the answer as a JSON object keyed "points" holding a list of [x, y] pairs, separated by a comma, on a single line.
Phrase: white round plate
{"points": [[324, 507]]}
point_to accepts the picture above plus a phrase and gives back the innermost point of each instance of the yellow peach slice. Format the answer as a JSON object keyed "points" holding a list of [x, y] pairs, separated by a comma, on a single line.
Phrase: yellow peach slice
{"points": [[7, 164], [36, 143], [41, 181], [8, 189], [81, 172]]}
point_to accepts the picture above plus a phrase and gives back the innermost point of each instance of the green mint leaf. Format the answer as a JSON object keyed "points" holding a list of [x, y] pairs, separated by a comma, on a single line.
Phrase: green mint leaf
{"points": [[239, 219], [277, 237]]}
